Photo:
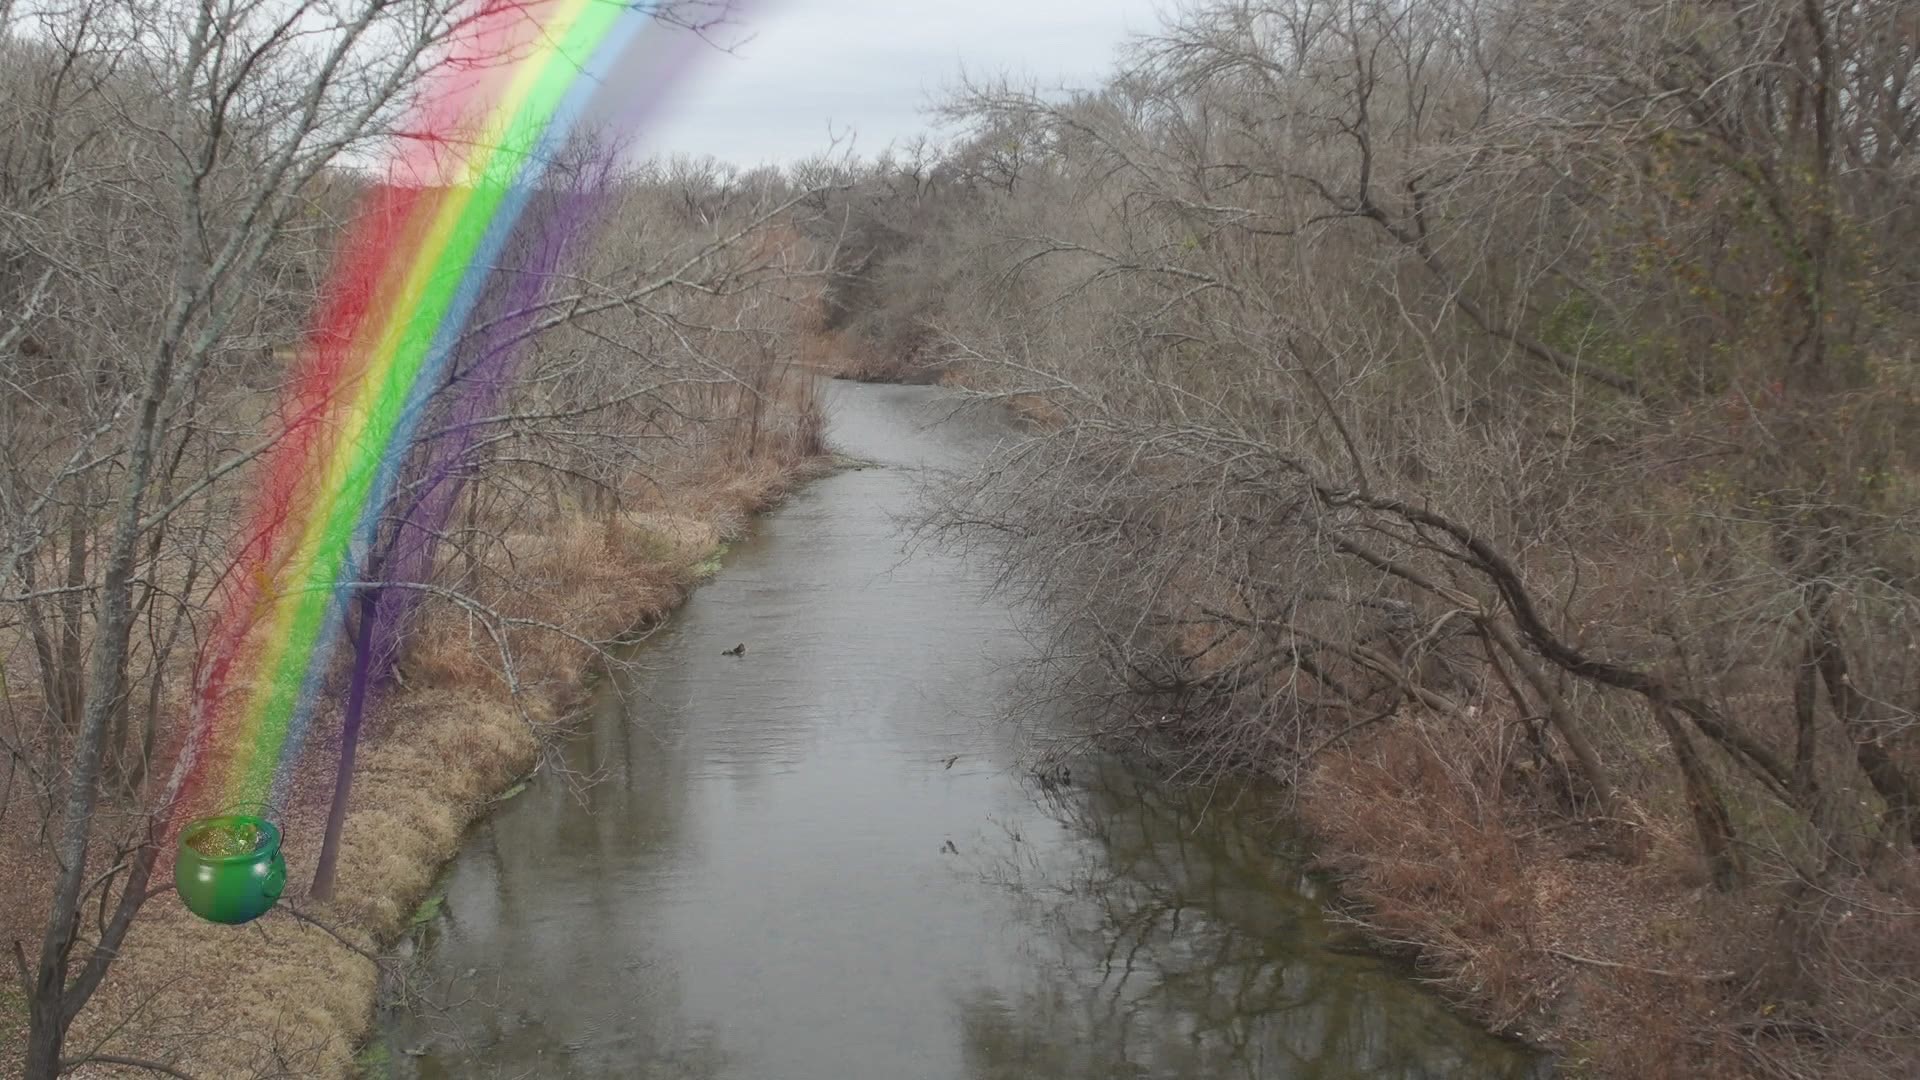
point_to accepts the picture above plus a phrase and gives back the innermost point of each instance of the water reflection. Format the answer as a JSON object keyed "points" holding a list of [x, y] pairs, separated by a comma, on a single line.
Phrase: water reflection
{"points": [[820, 861], [1183, 941]]}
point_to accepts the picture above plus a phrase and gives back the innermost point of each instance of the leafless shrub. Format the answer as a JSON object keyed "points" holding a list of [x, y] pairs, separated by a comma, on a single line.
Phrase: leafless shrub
{"points": [[173, 179], [1527, 372]]}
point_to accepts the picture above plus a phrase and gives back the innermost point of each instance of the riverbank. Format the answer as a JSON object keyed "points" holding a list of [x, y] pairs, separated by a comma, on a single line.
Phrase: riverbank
{"points": [[1540, 926], [1606, 942], [294, 992], [1601, 940], [841, 808]]}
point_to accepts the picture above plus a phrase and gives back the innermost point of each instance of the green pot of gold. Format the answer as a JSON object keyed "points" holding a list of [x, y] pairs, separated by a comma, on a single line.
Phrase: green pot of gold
{"points": [[229, 868]]}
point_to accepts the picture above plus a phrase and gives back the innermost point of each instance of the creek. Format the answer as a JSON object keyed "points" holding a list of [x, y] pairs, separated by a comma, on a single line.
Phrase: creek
{"points": [[825, 860]]}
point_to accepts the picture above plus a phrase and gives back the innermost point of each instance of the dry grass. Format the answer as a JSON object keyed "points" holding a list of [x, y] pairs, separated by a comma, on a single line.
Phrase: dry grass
{"points": [[1492, 866], [281, 997], [1437, 859], [1607, 947]]}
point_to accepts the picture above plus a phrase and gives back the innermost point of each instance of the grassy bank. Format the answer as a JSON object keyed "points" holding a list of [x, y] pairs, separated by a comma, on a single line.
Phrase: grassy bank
{"points": [[286, 996], [1542, 927], [1492, 421], [1606, 942], [1464, 835]]}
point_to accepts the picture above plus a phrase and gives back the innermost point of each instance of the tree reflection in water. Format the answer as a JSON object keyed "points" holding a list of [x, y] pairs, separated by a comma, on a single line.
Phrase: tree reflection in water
{"points": [[1188, 942]]}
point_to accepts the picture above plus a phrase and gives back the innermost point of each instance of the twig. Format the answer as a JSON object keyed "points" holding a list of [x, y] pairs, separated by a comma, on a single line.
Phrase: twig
{"points": [[1691, 976], [1348, 730], [336, 935], [130, 1062]]}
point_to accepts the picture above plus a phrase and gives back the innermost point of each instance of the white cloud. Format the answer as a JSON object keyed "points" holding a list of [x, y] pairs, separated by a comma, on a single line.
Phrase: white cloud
{"points": [[871, 66]]}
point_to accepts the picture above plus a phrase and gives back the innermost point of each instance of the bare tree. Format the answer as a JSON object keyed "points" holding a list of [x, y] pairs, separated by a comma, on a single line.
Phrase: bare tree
{"points": [[1519, 367], [172, 181]]}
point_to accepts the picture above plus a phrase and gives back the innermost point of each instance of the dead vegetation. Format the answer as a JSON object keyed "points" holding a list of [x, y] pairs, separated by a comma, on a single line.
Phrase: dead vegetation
{"points": [[293, 998], [173, 185], [1487, 416]]}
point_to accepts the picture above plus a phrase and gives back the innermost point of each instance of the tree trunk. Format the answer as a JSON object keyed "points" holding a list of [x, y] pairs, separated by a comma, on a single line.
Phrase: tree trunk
{"points": [[73, 610], [1805, 707], [45, 1037], [1559, 716], [322, 888], [50, 1008], [1889, 781], [1710, 821]]}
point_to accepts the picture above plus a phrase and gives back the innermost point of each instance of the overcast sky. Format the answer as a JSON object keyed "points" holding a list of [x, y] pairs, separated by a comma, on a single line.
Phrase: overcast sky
{"points": [[870, 67]]}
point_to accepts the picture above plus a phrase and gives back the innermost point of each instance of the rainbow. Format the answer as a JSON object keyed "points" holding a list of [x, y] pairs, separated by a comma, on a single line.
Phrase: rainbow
{"points": [[384, 352]]}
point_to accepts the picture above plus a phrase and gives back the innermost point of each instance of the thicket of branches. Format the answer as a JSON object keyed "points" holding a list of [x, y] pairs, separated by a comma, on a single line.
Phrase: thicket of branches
{"points": [[1531, 379], [173, 178]]}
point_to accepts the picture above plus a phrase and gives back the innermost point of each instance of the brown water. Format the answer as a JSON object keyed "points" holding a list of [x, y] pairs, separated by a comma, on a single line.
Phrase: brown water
{"points": [[779, 876]]}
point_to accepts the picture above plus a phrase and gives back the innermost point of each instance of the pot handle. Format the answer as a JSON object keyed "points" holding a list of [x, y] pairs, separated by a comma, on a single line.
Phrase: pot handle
{"points": [[276, 880]]}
